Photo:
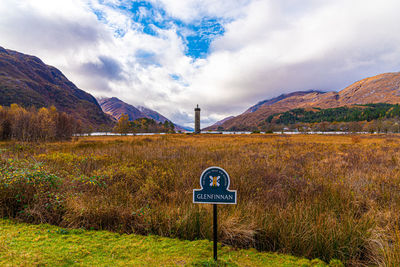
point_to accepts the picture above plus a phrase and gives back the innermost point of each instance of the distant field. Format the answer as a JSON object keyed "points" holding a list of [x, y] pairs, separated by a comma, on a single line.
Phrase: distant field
{"points": [[27, 245], [314, 196]]}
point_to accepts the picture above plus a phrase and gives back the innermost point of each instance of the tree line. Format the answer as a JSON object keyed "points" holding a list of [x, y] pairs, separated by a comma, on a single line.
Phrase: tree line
{"points": [[366, 112], [377, 117], [44, 124], [142, 125]]}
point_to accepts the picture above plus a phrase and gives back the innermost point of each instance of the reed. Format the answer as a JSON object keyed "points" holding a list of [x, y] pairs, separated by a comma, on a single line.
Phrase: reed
{"points": [[317, 196]]}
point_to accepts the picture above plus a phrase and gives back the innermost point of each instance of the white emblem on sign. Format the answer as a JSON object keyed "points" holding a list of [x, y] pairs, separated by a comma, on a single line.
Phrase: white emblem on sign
{"points": [[214, 181]]}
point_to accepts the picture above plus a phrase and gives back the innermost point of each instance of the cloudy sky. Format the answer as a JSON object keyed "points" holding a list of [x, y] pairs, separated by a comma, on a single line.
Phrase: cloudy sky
{"points": [[224, 55]]}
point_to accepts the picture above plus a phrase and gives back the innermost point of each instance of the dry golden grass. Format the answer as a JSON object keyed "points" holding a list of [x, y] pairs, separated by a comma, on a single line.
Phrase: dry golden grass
{"points": [[317, 196]]}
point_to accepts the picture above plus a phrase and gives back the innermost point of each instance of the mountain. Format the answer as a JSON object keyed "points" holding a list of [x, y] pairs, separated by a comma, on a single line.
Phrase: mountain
{"points": [[27, 81], [272, 101], [116, 107], [218, 123], [160, 118], [383, 88], [152, 114]]}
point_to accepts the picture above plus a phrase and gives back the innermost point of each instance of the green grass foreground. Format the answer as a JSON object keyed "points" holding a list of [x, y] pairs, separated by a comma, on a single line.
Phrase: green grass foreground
{"points": [[26, 245]]}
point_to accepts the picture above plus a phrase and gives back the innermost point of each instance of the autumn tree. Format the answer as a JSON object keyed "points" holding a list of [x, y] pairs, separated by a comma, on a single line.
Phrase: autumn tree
{"points": [[123, 124], [5, 124], [64, 127], [44, 124]]}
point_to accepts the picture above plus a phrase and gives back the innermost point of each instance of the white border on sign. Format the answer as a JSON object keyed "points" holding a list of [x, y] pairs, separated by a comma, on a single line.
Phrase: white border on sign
{"points": [[227, 188]]}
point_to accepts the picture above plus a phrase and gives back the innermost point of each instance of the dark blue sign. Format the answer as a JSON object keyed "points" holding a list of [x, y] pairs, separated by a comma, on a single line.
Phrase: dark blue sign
{"points": [[214, 182]]}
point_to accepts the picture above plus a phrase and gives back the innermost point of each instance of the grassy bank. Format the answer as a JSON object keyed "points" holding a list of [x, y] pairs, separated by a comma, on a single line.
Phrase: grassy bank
{"points": [[28, 245], [321, 197]]}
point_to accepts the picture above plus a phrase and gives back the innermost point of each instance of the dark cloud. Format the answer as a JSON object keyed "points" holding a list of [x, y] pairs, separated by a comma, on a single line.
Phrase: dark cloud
{"points": [[182, 117], [106, 67], [51, 34]]}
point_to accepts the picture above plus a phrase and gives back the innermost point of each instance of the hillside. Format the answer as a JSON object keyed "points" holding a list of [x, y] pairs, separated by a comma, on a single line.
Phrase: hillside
{"points": [[366, 112], [218, 123], [383, 88], [116, 107], [152, 114], [27, 81]]}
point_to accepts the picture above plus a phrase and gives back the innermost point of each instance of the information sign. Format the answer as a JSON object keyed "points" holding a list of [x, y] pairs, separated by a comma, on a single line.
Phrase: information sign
{"points": [[214, 182]]}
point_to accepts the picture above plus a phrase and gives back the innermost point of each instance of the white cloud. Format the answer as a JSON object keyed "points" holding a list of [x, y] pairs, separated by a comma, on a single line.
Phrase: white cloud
{"points": [[271, 50], [269, 47], [192, 10]]}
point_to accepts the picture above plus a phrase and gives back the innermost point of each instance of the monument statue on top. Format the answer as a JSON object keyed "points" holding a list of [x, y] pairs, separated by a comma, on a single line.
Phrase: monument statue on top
{"points": [[197, 120]]}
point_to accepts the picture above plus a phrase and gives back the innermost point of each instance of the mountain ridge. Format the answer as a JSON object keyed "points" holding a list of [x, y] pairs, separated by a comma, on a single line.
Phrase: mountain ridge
{"points": [[116, 107], [381, 88], [27, 81], [152, 114], [277, 99]]}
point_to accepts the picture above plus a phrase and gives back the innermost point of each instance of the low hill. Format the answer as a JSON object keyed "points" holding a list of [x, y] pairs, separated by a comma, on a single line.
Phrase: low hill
{"points": [[383, 88], [27, 81]]}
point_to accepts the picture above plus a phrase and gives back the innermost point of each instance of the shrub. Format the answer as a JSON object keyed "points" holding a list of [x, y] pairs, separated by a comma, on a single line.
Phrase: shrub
{"points": [[29, 192]]}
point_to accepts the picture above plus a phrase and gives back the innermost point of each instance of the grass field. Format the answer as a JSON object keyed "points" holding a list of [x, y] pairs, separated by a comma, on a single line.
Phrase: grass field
{"points": [[27, 245], [313, 196]]}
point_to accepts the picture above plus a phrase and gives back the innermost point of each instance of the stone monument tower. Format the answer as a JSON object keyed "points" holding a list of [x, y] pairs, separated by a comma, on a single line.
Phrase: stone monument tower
{"points": [[197, 120]]}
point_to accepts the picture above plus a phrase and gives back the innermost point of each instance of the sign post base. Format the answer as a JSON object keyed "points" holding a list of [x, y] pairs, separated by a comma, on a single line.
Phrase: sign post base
{"points": [[215, 211]]}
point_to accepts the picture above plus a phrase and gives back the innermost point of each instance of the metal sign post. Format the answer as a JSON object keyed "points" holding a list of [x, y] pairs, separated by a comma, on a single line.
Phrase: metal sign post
{"points": [[214, 182], [215, 230]]}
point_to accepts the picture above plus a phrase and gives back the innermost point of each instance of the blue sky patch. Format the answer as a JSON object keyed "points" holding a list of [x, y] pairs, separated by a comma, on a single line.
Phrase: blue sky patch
{"points": [[203, 33], [178, 79], [175, 77], [197, 36]]}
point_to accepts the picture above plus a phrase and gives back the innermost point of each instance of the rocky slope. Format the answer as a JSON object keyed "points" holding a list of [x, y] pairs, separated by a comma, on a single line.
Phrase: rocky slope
{"points": [[27, 81], [383, 88]]}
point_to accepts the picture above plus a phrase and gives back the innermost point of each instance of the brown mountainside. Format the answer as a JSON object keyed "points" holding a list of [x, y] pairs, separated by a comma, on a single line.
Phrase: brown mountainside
{"points": [[383, 88], [27, 81], [116, 107], [223, 120]]}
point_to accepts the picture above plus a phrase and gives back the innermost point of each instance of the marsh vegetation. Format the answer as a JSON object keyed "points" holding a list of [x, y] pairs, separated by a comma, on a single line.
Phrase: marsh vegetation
{"points": [[317, 196]]}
